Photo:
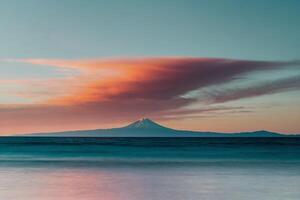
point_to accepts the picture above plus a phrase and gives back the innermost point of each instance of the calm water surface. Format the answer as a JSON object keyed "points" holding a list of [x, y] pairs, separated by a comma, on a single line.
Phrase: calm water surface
{"points": [[149, 169]]}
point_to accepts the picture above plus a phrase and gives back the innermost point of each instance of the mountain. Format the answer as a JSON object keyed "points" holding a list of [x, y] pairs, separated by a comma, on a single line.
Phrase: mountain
{"points": [[148, 128], [145, 123]]}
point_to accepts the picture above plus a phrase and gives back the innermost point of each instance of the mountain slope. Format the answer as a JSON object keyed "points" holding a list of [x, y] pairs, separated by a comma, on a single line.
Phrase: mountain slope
{"points": [[148, 128], [145, 123]]}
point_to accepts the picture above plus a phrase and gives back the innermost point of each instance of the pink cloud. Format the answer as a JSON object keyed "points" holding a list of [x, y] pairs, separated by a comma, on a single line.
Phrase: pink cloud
{"points": [[116, 90]]}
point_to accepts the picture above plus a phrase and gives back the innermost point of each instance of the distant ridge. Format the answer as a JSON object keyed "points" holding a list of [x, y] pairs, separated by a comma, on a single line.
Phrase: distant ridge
{"points": [[148, 128]]}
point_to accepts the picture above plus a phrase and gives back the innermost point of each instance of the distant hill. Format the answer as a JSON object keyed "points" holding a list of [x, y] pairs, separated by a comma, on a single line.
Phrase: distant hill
{"points": [[148, 128]]}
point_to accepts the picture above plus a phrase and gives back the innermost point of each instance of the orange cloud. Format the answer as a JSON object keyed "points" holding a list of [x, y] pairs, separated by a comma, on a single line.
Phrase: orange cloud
{"points": [[147, 78], [114, 90]]}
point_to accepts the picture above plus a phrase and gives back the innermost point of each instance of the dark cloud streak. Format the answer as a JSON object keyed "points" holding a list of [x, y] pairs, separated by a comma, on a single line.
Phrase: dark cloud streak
{"points": [[271, 87]]}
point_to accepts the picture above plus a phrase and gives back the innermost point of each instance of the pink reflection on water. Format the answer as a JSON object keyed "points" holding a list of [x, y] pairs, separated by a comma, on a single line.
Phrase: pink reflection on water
{"points": [[107, 183], [65, 184], [150, 182]]}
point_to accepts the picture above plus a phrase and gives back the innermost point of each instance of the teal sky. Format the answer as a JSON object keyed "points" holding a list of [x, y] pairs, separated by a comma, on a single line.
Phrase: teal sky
{"points": [[64, 30], [257, 29]]}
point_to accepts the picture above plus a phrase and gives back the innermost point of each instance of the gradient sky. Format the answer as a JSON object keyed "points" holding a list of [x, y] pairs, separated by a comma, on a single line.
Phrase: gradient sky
{"points": [[210, 65]]}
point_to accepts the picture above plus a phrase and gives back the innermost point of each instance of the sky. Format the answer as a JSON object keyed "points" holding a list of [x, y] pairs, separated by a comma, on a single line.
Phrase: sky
{"points": [[207, 65]]}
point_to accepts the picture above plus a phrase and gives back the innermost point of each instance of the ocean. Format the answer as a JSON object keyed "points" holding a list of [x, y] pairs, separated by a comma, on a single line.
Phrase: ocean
{"points": [[78, 168]]}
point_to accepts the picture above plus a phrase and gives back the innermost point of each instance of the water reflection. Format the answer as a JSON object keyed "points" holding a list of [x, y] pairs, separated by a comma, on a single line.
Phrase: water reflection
{"points": [[150, 182]]}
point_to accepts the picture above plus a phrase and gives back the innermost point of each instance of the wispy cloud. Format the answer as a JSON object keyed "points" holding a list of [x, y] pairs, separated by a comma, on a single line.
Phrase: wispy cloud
{"points": [[270, 87], [109, 90], [151, 78]]}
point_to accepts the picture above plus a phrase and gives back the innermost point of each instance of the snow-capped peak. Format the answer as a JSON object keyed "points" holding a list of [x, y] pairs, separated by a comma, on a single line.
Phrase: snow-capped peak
{"points": [[144, 123]]}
